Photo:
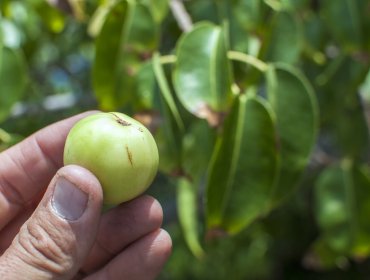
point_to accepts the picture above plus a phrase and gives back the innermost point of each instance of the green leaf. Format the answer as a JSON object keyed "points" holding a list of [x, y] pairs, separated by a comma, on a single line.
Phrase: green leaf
{"points": [[110, 73], [248, 13], [198, 144], [7, 139], [361, 184], [188, 217], [347, 32], [1, 39], [243, 168], [98, 18], [343, 115], [285, 40], [293, 100], [158, 8], [202, 75], [13, 79], [143, 31], [52, 17], [145, 92], [334, 210], [325, 257], [150, 104], [119, 52], [166, 91], [168, 138], [292, 5]]}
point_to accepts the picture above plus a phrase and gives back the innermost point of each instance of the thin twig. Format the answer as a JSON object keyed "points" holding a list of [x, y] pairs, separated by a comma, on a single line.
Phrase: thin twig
{"points": [[182, 17]]}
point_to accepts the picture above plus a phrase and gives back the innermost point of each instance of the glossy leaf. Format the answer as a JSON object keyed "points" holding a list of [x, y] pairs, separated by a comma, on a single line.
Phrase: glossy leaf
{"points": [[244, 167], [202, 76], [13, 79], [284, 43], [293, 100], [188, 215], [166, 91], [334, 198]]}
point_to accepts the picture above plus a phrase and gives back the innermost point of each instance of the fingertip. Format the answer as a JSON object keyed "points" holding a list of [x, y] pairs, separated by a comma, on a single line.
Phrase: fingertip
{"points": [[84, 179], [162, 244]]}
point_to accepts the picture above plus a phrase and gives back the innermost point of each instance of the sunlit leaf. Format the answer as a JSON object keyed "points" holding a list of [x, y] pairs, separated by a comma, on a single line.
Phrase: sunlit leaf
{"points": [[244, 167], [202, 76], [109, 68], [119, 54], [52, 17], [98, 18]]}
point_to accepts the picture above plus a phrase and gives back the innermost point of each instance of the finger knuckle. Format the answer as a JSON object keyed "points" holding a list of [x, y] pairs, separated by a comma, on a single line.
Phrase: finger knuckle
{"points": [[45, 249]]}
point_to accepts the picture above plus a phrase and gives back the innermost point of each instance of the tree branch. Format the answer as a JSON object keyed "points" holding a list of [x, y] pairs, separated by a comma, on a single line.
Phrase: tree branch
{"points": [[182, 17]]}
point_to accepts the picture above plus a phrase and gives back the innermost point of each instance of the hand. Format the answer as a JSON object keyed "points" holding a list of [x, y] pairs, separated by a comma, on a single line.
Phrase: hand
{"points": [[51, 225]]}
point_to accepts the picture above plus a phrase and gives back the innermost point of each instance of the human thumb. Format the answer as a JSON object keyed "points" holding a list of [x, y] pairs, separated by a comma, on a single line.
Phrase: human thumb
{"points": [[57, 238]]}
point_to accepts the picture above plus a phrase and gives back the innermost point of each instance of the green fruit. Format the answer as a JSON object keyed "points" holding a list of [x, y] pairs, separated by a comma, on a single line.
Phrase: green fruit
{"points": [[118, 150]]}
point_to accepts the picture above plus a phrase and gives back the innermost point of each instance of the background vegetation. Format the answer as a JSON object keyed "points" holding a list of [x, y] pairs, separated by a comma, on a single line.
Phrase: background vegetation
{"points": [[260, 109]]}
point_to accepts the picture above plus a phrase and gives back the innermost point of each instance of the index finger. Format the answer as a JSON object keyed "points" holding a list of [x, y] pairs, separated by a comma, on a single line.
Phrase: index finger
{"points": [[27, 168]]}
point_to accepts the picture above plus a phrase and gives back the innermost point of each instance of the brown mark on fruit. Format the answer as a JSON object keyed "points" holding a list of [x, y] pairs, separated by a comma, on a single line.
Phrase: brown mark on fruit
{"points": [[129, 156], [121, 121]]}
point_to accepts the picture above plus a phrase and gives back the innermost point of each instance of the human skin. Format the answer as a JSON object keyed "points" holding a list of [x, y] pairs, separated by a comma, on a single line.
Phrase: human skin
{"points": [[41, 241]]}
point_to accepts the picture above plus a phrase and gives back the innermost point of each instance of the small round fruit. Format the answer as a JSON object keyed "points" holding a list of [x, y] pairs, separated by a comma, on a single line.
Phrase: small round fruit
{"points": [[118, 150]]}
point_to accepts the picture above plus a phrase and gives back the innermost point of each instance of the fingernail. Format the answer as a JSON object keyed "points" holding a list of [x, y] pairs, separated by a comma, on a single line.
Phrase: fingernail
{"points": [[68, 201]]}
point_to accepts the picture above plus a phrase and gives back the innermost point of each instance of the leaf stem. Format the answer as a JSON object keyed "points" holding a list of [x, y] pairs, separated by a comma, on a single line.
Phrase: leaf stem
{"points": [[168, 59], [4, 136], [248, 59]]}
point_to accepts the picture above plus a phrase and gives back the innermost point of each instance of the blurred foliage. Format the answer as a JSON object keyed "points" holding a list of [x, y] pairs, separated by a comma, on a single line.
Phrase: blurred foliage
{"points": [[260, 109]]}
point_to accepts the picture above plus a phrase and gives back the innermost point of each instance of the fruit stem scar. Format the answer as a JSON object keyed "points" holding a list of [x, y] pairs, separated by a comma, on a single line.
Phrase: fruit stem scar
{"points": [[120, 121], [129, 155]]}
